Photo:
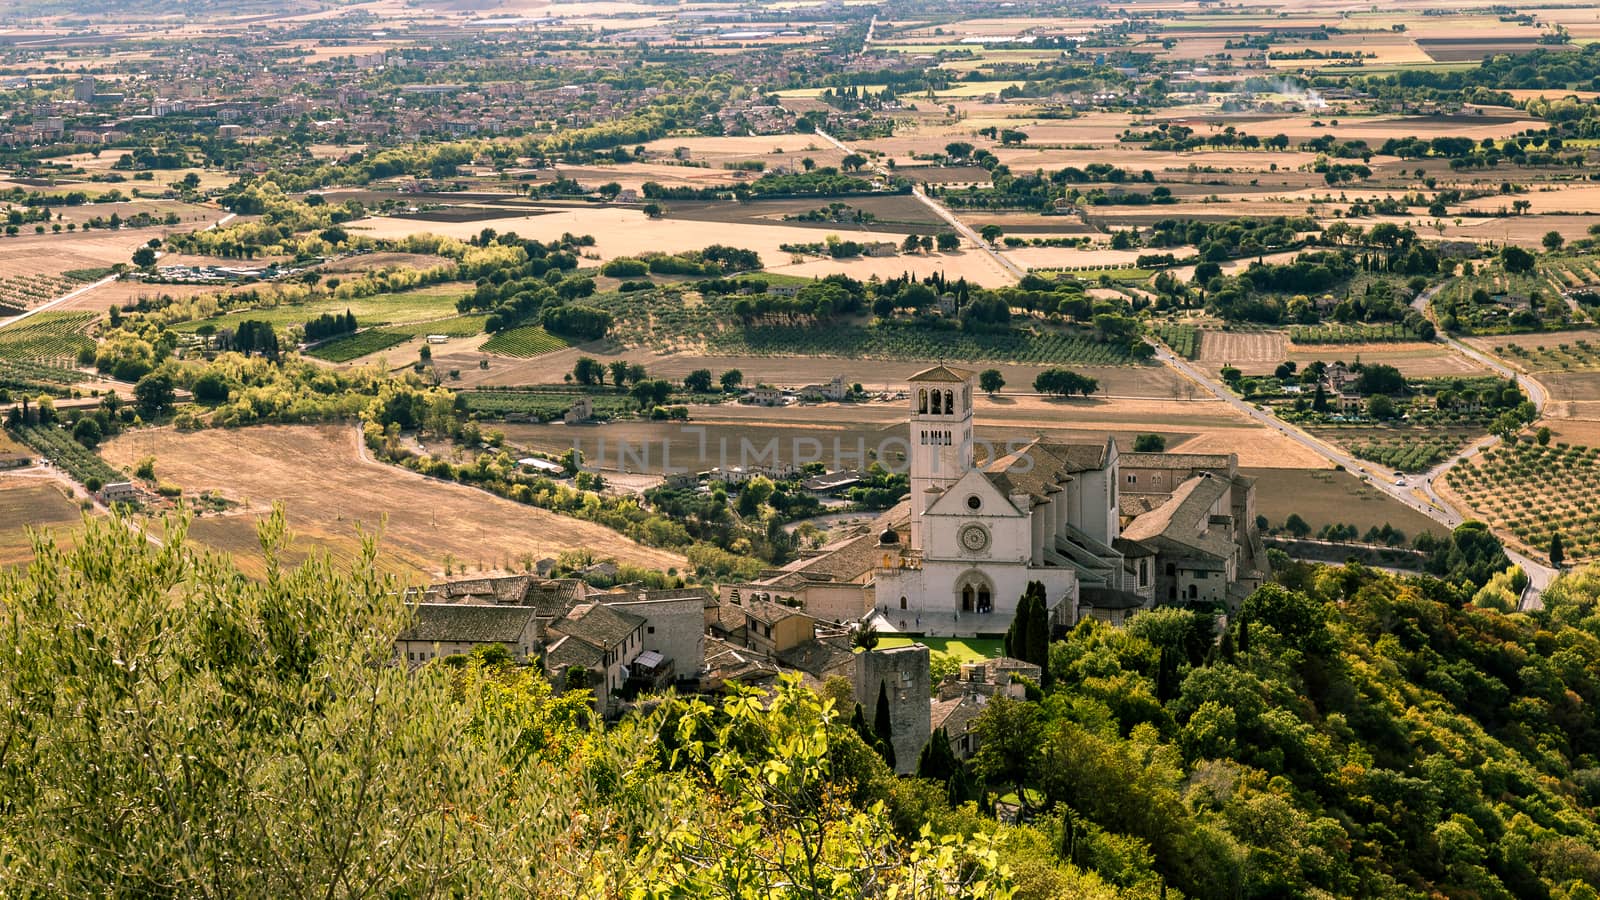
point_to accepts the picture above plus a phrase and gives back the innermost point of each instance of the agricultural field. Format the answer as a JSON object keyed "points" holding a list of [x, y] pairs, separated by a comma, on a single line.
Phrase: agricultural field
{"points": [[715, 434], [423, 305], [543, 406], [1183, 339], [32, 501], [57, 337], [57, 445], [354, 346], [1403, 450], [523, 342], [23, 292], [1531, 493], [332, 491], [29, 376], [1249, 351], [672, 320], [1577, 351], [1351, 334], [891, 342], [1414, 360], [1325, 497]]}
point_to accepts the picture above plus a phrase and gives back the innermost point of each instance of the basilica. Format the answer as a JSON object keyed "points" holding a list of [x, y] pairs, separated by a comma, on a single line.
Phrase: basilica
{"points": [[1106, 533]]}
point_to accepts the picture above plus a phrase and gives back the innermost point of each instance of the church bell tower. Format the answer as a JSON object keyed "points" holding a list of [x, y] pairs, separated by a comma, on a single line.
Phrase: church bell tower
{"points": [[940, 438]]}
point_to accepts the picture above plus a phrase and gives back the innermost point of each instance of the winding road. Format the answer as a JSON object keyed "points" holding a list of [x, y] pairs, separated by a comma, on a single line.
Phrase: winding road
{"points": [[939, 209], [1428, 502]]}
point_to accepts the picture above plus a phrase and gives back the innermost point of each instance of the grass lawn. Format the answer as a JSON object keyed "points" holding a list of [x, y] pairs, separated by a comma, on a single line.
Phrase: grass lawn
{"points": [[963, 649], [422, 305]]}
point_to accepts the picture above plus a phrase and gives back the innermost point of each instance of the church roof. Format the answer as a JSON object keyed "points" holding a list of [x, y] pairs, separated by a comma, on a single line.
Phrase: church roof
{"points": [[1185, 518], [1225, 462], [1039, 467], [1081, 457], [942, 373]]}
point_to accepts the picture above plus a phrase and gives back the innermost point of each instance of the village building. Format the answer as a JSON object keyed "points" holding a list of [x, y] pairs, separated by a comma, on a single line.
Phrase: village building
{"points": [[119, 492], [835, 390], [761, 395], [599, 638], [961, 698], [445, 629], [833, 584], [582, 410], [674, 624]]}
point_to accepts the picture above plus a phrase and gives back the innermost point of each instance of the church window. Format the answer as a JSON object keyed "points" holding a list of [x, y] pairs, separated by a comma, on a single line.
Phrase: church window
{"points": [[922, 401], [1133, 479], [974, 502], [935, 408], [949, 401]]}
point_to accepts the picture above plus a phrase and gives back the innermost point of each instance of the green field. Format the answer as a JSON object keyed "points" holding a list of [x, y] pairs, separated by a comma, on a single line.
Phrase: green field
{"points": [[357, 345], [1351, 334], [1183, 339], [36, 377], [544, 406], [524, 342], [455, 326], [961, 649], [48, 335], [424, 305], [880, 342]]}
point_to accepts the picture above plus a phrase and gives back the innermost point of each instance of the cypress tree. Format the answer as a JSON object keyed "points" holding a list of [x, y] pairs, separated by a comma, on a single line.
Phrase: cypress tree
{"points": [[937, 761], [858, 724], [882, 727], [1017, 633], [959, 789], [1038, 635]]}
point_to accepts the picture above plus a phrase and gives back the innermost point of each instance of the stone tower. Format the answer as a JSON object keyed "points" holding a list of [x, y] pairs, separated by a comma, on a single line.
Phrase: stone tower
{"points": [[903, 673]]}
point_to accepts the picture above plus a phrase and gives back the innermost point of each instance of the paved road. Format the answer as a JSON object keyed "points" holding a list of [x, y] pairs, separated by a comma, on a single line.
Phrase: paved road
{"points": [[1539, 575], [1428, 503], [943, 213]]}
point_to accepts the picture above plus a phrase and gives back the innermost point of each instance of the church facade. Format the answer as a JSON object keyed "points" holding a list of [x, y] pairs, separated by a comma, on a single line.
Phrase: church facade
{"points": [[981, 522]]}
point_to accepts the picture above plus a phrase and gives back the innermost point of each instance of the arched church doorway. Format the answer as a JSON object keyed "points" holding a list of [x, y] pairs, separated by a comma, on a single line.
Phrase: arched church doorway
{"points": [[975, 593]]}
